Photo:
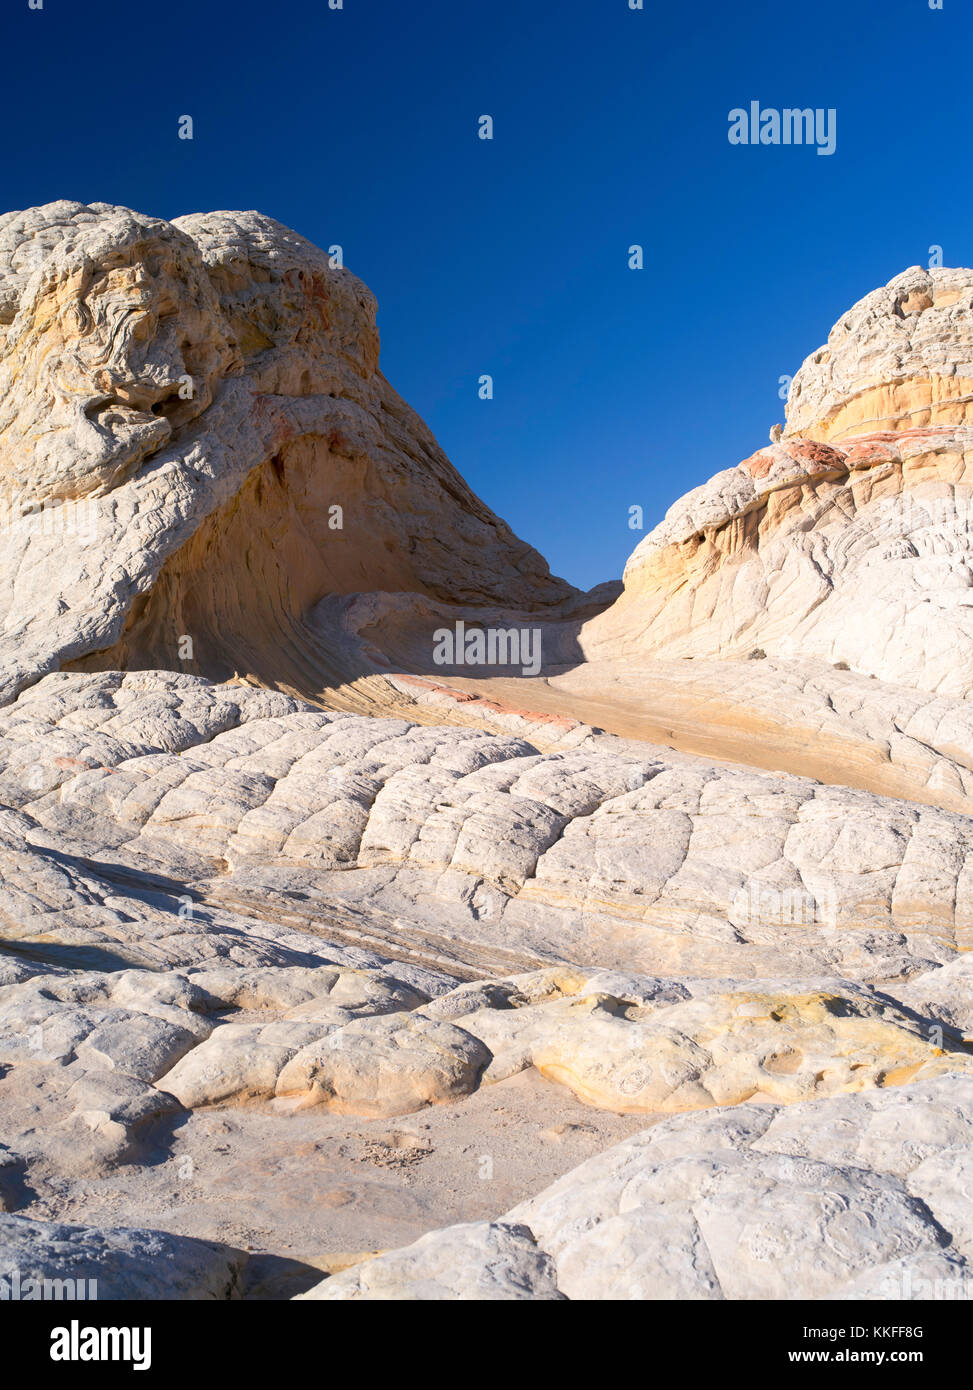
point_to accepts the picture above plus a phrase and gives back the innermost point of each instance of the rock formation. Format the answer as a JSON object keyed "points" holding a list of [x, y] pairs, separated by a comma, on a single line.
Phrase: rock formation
{"points": [[278, 893], [197, 441], [852, 1197], [847, 540]]}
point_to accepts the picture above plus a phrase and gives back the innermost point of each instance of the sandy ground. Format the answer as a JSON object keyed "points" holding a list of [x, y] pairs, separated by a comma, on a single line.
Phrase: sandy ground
{"points": [[705, 718], [319, 1189]]}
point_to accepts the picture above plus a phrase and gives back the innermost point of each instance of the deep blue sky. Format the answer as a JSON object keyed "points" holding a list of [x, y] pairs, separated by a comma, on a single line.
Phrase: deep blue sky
{"points": [[613, 387]]}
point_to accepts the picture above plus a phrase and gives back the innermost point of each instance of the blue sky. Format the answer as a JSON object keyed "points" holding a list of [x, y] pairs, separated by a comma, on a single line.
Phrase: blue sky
{"points": [[613, 387]]}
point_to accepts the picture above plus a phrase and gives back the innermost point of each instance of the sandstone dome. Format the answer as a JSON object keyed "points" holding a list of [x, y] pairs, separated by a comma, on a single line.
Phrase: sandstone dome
{"points": [[197, 441], [848, 539]]}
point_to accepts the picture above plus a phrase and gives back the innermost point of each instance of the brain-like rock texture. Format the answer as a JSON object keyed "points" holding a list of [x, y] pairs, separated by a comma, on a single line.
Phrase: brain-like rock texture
{"points": [[899, 359], [290, 915]]}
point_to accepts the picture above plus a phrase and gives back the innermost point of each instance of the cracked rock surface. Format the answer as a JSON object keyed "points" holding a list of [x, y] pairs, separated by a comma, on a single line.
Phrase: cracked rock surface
{"points": [[330, 972]]}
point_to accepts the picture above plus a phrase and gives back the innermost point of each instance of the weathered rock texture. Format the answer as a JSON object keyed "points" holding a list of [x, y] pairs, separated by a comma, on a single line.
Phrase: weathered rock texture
{"points": [[864, 1197], [269, 874], [847, 540], [135, 517]]}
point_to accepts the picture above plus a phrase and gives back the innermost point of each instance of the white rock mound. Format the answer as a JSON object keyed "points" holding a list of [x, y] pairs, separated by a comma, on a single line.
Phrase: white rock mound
{"points": [[848, 540]]}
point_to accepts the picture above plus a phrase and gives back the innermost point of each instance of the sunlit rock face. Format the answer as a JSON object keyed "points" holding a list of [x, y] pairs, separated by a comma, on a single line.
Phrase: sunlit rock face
{"points": [[106, 315], [196, 439], [848, 538], [899, 359]]}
